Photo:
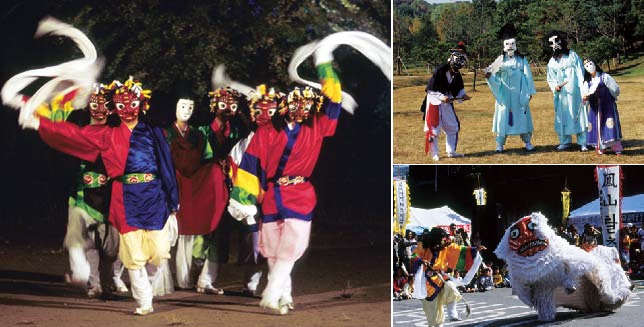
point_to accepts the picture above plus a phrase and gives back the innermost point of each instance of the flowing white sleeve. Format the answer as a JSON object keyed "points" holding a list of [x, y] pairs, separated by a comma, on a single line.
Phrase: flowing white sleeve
{"points": [[612, 86]]}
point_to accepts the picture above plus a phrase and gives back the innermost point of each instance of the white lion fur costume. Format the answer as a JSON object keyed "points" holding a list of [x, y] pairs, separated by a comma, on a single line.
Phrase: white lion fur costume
{"points": [[550, 272]]}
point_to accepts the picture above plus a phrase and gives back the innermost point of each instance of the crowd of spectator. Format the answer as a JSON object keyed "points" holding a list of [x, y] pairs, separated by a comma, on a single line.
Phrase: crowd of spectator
{"points": [[631, 245]]}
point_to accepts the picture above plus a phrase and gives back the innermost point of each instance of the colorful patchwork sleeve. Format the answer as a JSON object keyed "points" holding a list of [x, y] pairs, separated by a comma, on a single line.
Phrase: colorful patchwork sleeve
{"points": [[459, 257], [249, 181], [332, 91], [59, 108]]}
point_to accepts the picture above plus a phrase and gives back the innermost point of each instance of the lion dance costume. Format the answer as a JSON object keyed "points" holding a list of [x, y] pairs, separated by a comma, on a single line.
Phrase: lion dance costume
{"points": [[546, 271]]}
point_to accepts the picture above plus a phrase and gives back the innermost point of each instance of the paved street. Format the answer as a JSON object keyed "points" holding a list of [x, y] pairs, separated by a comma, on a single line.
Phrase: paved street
{"points": [[499, 308]]}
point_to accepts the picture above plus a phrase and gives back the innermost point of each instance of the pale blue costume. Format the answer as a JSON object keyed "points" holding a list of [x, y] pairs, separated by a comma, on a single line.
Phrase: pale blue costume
{"points": [[512, 87], [570, 117]]}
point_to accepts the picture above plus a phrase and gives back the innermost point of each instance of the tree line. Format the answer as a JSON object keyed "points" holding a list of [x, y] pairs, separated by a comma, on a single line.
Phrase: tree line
{"points": [[600, 29]]}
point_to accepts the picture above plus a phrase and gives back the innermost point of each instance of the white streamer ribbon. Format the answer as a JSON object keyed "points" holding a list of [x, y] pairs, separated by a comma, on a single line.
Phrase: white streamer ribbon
{"points": [[78, 73], [221, 79], [370, 46]]}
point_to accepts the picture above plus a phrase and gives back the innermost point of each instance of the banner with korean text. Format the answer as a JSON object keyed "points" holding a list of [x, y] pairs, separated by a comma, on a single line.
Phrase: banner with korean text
{"points": [[609, 181], [401, 206]]}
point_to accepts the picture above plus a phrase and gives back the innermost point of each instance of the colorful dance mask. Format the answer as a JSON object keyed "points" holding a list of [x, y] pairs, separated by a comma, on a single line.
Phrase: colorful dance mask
{"points": [[129, 99], [99, 102], [264, 105], [300, 103], [225, 101]]}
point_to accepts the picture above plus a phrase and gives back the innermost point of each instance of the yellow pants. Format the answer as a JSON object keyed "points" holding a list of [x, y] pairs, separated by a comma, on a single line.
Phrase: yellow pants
{"points": [[141, 246], [434, 309]]}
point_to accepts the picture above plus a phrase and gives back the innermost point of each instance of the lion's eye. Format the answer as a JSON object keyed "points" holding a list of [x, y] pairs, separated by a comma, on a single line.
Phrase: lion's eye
{"points": [[120, 106], [222, 105], [532, 226], [233, 107], [93, 105], [134, 104], [514, 233]]}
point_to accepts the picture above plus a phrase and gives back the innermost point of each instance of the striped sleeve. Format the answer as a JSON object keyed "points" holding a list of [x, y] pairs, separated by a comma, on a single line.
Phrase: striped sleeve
{"points": [[250, 178], [460, 257], [59, 108], [332, 91]]}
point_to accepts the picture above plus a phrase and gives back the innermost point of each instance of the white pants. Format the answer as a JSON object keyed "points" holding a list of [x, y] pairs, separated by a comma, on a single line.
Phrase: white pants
{"points": [[282, 243], [450, 125], [141, 287], [183, 260]]}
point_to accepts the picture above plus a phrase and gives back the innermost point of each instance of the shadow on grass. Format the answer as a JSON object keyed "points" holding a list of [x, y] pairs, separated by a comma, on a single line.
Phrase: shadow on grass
{"points": [[631, 148]]}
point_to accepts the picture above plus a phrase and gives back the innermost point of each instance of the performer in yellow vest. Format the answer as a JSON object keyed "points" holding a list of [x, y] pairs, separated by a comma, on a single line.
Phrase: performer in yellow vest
{"points": [[436, 254]]}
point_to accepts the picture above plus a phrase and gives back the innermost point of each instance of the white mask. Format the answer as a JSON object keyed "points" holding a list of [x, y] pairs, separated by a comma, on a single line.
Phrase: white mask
{"points": [[555, 43], [184, 109], [509, 46], [590, 67]]}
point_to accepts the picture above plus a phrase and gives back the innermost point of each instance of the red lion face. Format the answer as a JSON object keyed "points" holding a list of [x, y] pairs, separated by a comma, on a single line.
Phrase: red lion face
{"points": [[523, 239]]}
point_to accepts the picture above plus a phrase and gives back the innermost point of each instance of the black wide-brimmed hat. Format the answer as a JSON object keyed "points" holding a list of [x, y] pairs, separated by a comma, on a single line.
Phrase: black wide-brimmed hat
{"points": [[507, 32]]}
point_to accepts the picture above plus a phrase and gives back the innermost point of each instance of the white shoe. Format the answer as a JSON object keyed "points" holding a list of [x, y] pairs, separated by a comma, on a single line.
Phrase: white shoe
{"points": [[435, 157], [584, 148], [499, 148], [143, 311], [562, 147], [283, 309], [529, 146], [287, 301], [119, 285], [209, 289], [455, 155], [272, 305]]}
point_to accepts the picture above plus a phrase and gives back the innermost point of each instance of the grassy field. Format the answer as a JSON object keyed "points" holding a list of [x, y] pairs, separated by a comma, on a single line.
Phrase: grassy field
{"points": [[478, 143]]}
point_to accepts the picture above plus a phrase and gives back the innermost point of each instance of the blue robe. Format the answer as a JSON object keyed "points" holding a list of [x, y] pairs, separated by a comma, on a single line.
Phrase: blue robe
{"points": [[570, 116], [512, 86]]}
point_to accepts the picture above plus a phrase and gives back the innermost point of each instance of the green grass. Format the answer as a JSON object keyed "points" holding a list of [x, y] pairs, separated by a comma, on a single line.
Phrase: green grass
{"points": [[477, 141]]}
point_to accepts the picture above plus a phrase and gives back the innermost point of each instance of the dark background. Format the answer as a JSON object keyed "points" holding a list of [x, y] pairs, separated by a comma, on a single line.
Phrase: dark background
{"points": [[512, 192], [166, 42]]}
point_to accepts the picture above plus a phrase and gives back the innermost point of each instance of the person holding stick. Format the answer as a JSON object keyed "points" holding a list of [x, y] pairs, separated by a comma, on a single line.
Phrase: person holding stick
{"points": [[431, 258], [445, 86]]}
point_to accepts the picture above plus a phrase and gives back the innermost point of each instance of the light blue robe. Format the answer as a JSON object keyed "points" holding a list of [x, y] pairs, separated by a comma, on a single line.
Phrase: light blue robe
{"points": [[570, 117], [512, 86]]}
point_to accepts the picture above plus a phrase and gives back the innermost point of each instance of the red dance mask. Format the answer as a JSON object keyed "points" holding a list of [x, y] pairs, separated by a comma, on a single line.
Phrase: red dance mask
{"points": [[98, 106]]}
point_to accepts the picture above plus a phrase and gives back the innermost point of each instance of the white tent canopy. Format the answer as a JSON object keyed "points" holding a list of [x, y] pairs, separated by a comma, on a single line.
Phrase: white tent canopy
{"points": [[632, 212], [439, 217]]}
